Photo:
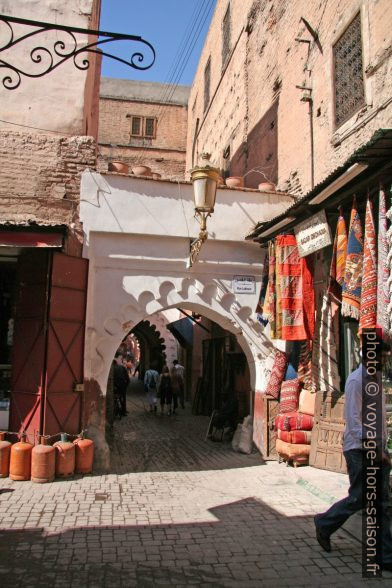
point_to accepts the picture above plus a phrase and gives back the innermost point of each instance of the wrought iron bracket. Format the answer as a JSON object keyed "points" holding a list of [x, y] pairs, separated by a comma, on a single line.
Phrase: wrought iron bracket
{"points": [[59, 50]]}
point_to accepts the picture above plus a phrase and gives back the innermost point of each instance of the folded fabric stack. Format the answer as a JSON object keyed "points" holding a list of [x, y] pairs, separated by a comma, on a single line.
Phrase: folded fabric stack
{"points": [[294, 422]]}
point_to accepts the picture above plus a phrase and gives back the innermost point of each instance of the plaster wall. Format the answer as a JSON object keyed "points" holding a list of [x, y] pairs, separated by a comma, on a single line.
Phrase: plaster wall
{"points": [[36, 101], [266, 66], [137, 237]]}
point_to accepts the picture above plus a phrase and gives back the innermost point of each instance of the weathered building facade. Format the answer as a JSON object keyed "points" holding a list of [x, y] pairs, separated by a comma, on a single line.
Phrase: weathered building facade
{"points": [[144, 123], [290, 90], [47, 138]]}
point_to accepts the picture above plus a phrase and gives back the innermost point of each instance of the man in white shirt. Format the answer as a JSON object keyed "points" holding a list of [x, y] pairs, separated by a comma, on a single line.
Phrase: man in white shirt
{"points": [[331, 520], [180, 372]]}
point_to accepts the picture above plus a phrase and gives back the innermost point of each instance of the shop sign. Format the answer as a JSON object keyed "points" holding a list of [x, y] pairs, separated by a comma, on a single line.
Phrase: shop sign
{"points": [[313, 234], [244, 285]]}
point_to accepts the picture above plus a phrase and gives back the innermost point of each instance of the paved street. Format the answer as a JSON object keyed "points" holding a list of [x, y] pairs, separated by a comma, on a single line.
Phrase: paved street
{"points": [[175, 510]]}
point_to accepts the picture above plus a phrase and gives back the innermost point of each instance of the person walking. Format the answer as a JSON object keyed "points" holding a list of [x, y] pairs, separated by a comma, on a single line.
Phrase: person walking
{"points": [[165, 390], [330, 521], [180, 376], [120, 382], [151, 378]]}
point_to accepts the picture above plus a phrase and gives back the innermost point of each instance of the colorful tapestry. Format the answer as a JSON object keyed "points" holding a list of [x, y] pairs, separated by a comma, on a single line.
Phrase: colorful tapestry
{"points": [[338, 262], [351, 290], [325, 371], [263, 291], [277, 374], [289, 395], [383, 269], [305, 363], [295, 294], [269, 307], [368, 310]]}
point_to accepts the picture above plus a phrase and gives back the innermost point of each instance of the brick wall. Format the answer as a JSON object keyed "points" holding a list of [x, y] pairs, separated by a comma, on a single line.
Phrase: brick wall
{"points": [[40, 177], [267, 64], [165, 153]]}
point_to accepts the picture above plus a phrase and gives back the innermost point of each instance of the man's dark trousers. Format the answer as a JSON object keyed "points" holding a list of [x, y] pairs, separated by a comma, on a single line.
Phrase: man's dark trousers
{"points": [[331, 520]]}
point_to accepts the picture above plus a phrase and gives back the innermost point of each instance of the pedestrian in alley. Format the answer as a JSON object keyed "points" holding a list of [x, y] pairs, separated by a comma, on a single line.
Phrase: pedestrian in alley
{"points": [[151, 379], [165, 390], [120, 382], [179, 372], [355, 454]]}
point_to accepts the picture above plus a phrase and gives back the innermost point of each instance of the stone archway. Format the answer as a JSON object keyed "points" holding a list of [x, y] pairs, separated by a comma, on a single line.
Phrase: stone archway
{"points": [[137, 235]]}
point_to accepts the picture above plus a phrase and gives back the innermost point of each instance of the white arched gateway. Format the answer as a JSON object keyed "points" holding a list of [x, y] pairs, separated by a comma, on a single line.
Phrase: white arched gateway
{"points": [[137, 235]]}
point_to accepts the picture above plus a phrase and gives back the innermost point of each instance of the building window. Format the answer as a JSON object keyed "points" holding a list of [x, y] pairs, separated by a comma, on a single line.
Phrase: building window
{"points": [[348, 72], [149, 128], [143, 127], [136, 126], [207, 81], [226, 37]]}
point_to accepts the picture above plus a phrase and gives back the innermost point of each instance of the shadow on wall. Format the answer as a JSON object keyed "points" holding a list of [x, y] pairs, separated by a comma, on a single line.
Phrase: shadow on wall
{"points": [[260, 151], [182, 553]]}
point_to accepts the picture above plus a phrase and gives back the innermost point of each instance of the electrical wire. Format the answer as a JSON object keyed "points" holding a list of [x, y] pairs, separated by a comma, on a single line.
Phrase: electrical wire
{"points": [[185, 51]]}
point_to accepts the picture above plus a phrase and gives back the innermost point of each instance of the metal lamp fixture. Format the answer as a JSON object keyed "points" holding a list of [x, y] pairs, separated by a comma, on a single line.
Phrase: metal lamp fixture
{"points": [[205, 180]]}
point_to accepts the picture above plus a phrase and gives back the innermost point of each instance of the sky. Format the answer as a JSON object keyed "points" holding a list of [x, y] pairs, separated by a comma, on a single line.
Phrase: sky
{"points": [[175, 28]]}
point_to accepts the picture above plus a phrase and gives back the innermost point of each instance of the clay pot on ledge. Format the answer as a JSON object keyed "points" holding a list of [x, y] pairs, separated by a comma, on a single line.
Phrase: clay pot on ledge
{"points": [[141, 170], [266, 187], [118, 166], [235, 182]]}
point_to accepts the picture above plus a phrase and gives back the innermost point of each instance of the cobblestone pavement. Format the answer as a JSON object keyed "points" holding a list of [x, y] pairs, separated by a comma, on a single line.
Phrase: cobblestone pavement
{"points": [[175, 510]]}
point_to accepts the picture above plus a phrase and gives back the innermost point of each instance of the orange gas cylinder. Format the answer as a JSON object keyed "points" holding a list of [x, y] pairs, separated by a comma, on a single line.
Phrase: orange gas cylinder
{"points": [[5, 450], [43, 462], [20, 461], [65, 457], [84, 455]]}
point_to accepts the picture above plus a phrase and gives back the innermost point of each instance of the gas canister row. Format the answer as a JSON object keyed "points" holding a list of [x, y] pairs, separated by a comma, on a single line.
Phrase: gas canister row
{"points": [[42, 463]]}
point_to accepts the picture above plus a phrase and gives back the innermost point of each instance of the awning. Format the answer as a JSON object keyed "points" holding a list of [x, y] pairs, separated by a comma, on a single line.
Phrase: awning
{"points": [[30, 239], [182, 330], [374, 156]]}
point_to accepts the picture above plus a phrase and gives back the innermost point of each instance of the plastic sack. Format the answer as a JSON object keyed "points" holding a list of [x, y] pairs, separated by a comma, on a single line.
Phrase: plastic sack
{"points": [[236, 438], [246, 436]]}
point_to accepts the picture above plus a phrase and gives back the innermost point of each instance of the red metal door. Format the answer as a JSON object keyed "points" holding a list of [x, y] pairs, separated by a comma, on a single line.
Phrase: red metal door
{"points": [[65, 344], [28, 349]]}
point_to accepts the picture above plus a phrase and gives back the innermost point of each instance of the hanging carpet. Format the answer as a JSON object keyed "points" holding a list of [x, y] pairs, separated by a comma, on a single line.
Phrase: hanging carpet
{"points": [[295, 293], [338, 262], [351, 290], [368, 311], [383, 268]]}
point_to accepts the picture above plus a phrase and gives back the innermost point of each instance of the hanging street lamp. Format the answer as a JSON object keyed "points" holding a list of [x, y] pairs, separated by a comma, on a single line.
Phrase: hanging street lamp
{"points": [[205, 181]]}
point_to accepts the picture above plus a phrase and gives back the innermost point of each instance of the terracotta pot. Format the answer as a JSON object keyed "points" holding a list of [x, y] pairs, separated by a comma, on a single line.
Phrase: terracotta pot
{"points": [[141, 170], [267, 187], [235, 181], [119, 166]]}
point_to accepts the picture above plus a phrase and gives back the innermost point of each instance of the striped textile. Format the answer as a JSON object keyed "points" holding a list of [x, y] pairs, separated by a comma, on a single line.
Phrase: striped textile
{"points": [[325, 369], [383, 269], [351, 289], [368, 310], [338, 262], [295, 292], [269, 307]]}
